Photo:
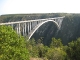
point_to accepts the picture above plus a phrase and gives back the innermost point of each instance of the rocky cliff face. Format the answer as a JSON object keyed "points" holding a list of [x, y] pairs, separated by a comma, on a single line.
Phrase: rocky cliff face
{"points": [[70, 29]]}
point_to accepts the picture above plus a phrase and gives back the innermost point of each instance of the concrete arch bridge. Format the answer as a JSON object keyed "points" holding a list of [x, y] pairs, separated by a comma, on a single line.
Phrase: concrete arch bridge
{"points": [[29, 27]]}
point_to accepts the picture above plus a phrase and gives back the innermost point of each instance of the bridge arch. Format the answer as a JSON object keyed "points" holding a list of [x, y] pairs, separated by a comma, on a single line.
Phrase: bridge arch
{"points": [[40, 24]]}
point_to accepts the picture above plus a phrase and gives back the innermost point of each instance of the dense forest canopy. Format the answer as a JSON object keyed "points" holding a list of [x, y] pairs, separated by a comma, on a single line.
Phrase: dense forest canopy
{"points": [[16, 47]]}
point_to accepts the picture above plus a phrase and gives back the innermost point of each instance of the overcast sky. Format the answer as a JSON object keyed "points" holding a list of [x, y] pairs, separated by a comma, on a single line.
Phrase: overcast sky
{"points": [[39, 6]]}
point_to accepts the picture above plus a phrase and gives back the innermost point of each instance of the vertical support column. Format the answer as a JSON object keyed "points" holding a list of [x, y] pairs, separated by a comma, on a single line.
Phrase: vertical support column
{"points": [[30, 26], [37, 22], [60, 22], [19, 28], [33, 24], [12, 26], [25, 29]]}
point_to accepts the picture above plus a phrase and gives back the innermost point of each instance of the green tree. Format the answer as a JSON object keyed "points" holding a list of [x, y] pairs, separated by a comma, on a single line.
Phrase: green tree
{"points": [[73, 50], [12, 46], [56, 43], [32, 48], [56, 54]]}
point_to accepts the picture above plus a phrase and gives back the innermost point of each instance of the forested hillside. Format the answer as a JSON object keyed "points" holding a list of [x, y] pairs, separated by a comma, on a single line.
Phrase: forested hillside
{"points": [[16, 47], [70, 29]]}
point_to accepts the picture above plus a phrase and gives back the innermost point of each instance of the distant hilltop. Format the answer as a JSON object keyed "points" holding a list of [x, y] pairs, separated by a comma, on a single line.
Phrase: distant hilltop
{"points": [[21, 17]]}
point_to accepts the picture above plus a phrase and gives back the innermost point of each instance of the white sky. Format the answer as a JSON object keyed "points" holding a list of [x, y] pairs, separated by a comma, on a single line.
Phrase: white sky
{"points": [[39, 6]]}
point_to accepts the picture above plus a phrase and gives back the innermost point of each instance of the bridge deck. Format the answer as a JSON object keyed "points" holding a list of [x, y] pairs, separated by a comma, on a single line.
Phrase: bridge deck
{"points": [[29, 21]]}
